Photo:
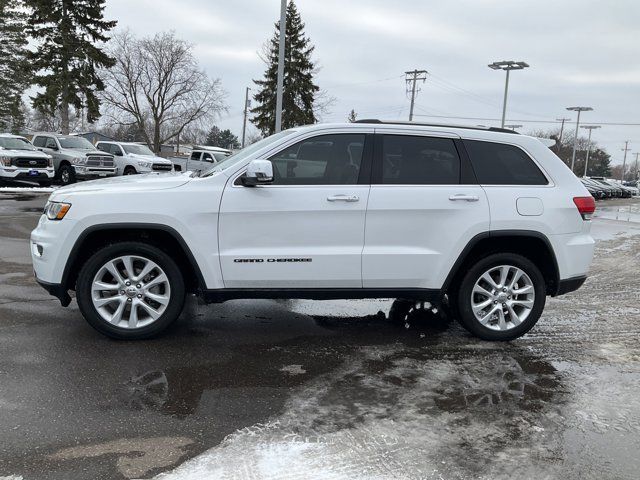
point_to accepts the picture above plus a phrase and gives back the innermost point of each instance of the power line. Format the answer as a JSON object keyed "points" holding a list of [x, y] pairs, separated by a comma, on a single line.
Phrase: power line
{"points": [[526, 121]]}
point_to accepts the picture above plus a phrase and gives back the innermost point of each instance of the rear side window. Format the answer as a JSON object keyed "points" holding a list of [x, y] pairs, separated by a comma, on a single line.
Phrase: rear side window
{"points": [[409, 160], [500, 164]]}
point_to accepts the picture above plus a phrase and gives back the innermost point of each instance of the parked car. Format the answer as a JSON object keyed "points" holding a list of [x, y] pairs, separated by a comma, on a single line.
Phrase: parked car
{"points": [[132, 158], [621, 192], [597, 189], [200, 159], [74, 158], [609, 190], [453, 214], [20, 160]]}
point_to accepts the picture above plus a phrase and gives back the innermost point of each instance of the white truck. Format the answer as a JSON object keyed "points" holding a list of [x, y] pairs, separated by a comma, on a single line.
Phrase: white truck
{"points": [[132, 158], [486, 220], [20, 160], [200, 159]]}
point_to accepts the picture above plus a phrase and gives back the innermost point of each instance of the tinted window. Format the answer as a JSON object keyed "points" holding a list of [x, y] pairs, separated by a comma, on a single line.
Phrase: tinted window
{"points": [[195, 155], [499, 164], [321, 160], [103, 146], [207, 157], [39, 141], [408, 160], [50, 143], [115, 150]]}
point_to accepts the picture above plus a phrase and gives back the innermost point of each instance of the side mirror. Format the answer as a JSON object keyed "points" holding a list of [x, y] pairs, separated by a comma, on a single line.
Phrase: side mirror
{"points": [[119, 153], [259, 172]]}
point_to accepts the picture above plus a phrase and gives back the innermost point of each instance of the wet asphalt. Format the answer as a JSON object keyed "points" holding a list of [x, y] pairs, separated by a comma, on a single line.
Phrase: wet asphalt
{"points": [[428, 401]]}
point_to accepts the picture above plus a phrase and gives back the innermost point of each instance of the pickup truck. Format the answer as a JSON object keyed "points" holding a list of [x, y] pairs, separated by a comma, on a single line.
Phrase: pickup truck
{"points": [[200, 159], [19, 160], [74, 157]]}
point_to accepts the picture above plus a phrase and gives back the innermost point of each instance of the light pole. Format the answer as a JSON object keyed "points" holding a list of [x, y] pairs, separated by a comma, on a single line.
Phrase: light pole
{"points": [[586, 162], [575, 139], [561, 120], [507, 65], [280, 84]]}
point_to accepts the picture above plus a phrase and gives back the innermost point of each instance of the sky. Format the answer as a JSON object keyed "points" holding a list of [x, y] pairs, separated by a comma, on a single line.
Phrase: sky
{"points": [[581, 53]]}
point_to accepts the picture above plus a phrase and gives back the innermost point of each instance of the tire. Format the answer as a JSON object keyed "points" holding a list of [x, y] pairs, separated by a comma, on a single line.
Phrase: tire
{"points": [[45, 183], [129, 171], [507, 314], [66, 174], [116, 318]]}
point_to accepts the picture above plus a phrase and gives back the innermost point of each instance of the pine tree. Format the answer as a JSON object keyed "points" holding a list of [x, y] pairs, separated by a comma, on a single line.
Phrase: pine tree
{"points": [[13, 78], [222, 138], [353, 116], [67, 55], [299, 89]]}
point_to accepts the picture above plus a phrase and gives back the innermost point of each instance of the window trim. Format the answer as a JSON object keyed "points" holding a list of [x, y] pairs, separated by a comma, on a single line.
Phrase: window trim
{"points": [[550, 182], [364, 175], [376, 176]]}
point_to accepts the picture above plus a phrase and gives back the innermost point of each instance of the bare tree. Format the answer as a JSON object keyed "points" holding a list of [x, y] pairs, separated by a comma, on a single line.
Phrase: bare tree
{"points": [[158, 86]]}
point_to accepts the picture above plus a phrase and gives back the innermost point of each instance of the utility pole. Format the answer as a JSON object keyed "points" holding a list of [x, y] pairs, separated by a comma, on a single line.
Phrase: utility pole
{"points": [[624, 160], [246, 111], [280, 85], [575, 139], [635, 173], [412, 78], [507, 65], [586, 162], [561, 120]]}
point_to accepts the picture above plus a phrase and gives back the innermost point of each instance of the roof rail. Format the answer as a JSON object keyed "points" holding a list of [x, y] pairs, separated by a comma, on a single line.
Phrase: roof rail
{"points": [[467, 127]]}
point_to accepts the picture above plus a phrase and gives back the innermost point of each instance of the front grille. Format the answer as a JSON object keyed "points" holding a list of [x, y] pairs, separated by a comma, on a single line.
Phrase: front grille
{"points": [[26, 162], [99, 161], [161, 167]]}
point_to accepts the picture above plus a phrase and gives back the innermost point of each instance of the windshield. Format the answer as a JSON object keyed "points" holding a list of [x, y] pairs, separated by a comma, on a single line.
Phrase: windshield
{"points": [[245, 152], [10, 143], [138, 150], [76, 142]]}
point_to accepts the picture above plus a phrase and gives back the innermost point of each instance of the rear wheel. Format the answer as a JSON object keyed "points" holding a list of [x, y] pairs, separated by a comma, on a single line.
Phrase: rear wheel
{"points": [[130, 290], [501, 297]]}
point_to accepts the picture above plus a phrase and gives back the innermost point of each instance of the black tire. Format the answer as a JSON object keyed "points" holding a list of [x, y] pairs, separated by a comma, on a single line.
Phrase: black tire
{"points": [[66, 174], [129, 171], [463, 298], [90, 269], [45, 183]]}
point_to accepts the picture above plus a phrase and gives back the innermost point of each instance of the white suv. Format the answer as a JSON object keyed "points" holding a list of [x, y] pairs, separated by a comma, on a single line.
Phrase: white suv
{"points": [[485, 219], [132, 158]]}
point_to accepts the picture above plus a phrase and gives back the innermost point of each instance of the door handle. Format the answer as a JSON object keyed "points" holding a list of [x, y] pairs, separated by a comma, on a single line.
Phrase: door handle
{"points": [[466, 198], [343, 198]]}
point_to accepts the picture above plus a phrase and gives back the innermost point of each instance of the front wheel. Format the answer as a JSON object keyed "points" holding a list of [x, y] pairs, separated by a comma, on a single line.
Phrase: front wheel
{"points": [[129, 171], [66, 174], [501, 297], [130, 291]]}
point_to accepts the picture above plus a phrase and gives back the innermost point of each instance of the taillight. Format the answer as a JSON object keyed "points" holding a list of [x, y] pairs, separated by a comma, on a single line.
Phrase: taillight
{"points": [[586, 206]]}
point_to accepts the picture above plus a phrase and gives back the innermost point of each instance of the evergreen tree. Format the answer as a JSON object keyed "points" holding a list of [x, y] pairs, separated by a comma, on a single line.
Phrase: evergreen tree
{"points": [[353, 116], [222, 138], [299, 89], [13, 78], [67, 54]]}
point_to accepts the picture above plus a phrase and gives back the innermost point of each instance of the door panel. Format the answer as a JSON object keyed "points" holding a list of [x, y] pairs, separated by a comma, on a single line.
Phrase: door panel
{"points": [[306, 230]]}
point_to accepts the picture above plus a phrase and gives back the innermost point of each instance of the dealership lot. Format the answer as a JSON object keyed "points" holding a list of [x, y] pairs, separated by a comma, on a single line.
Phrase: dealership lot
{"points": [[253, 389]]}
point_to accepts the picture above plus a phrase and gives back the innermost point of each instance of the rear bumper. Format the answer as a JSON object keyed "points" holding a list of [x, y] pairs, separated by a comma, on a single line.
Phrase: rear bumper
{"points": [[570, 285], [57, 290]]}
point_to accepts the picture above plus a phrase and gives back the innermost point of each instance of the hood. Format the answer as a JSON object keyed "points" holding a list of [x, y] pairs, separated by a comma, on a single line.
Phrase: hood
{"points": [[23, 153], [83, 152], [149, 158], [127, 183]]}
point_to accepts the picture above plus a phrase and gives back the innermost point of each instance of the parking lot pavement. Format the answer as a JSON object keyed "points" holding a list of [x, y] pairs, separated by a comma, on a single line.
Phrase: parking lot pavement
{"points": [[265, 389]]}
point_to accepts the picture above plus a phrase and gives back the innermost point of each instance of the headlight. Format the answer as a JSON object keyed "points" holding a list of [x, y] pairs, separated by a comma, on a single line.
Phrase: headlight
{"points": [[50, 162], [56, 210], [79, 161], [145, 164], [6, 161]]}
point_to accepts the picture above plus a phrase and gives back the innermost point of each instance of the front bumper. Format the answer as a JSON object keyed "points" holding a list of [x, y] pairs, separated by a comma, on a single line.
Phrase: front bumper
{"points": [[94, 172], [26, 173]]}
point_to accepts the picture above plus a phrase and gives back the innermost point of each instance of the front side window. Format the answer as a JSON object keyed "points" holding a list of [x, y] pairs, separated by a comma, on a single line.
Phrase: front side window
{"points": [[413, 160], [104, 147], [322, 160], [115, 150], [500, 164], [50, 143], [207, 157], [39, 141]]}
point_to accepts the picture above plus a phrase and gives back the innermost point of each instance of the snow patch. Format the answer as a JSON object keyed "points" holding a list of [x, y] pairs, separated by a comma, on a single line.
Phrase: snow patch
{"points": [[25, 190]]}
